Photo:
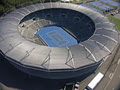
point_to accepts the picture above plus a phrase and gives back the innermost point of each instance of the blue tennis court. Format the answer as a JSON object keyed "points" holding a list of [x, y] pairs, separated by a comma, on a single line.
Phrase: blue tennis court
{"points": [[100, 5], [56, 37], [113, 3], [86, 5]]}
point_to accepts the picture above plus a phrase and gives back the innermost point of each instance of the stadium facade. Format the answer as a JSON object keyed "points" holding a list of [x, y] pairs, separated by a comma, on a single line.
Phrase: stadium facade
{"points": [[97, 38]]}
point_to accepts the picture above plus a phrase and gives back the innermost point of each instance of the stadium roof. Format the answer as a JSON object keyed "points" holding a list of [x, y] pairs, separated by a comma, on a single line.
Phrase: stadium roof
{"points": [[18, 49]]}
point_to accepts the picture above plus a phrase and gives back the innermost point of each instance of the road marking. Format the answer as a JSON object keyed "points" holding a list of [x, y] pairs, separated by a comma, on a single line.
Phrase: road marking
{"points": [[111, 75], [118, 61], [111, 78]]}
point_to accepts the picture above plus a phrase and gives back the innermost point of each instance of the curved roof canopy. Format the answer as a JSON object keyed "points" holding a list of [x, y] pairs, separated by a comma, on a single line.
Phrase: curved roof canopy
{"points": [[14, 46]]}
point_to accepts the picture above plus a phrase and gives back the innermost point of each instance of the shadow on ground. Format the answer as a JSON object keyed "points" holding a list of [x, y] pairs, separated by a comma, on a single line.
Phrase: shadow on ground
{"points": [[17, 80], [13, 78]]}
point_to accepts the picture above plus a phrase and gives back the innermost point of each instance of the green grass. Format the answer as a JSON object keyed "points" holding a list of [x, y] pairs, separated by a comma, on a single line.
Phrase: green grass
{"points": [[82, 1], [96, 8], [115, 20], [6, 5], [116, 0]]}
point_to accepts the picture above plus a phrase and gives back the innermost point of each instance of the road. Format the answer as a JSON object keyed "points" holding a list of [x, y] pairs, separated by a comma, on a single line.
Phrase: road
{"points": [[115, 81], [111, 80], [111, 69]]}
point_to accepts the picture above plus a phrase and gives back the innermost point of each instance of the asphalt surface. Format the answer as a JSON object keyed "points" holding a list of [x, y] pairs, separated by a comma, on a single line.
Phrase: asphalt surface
{"points": [[111, 80], [114, 82], [111, 70], [117, 15]]}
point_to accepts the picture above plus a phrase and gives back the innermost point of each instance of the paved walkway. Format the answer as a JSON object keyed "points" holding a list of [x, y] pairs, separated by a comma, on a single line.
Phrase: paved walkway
{"points": [[117, 16]]}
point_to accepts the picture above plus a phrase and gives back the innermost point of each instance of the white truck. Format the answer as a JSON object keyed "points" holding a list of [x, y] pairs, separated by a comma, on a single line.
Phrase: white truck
{"points": [[94, 82]]}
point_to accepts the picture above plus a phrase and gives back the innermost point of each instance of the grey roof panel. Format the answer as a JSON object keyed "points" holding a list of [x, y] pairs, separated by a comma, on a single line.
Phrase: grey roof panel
{"points": [[12, 20], [99, 45], [80, 54], [10, 42], [106, 41], [54, 5], [108, 32], [47, 5], [108, 25], [31, 8], [36, 58], [96, 49], [23, 11], [14, 15], [101, 19], [40, 6]]}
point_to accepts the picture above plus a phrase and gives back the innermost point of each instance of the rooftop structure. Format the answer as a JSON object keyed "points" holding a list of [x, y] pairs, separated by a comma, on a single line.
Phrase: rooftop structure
{"points": [[97, 38]]}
